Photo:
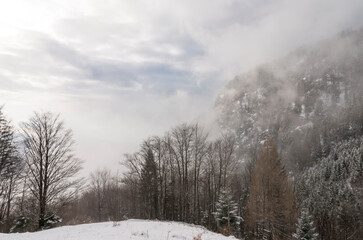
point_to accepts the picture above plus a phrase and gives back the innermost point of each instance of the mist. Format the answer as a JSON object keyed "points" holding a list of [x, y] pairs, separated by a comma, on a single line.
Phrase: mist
{"points": [[238, 119], [134, 69]]}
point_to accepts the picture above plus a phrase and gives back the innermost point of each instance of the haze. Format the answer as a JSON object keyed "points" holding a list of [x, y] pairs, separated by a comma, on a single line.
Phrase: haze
{"points": [[120, 71]]}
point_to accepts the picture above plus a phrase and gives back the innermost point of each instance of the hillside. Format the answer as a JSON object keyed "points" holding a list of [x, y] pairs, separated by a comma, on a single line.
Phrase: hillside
{"points": [[130, 229], [307, 101], [311, 103]]}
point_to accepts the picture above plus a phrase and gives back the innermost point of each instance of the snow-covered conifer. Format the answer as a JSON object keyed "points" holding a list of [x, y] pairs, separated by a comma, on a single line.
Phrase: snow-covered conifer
{"points": [[305, 228], [51, 220], [226, 213], [20, 224]]}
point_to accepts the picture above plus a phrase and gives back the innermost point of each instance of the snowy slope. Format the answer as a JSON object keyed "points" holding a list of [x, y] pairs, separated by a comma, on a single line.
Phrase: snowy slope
{"points": [[130, 229]]}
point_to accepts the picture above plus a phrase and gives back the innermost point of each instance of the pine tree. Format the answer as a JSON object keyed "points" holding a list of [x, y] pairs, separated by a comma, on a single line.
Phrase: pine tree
{"points": [[331, 191], [226, 213], [305, 228], [11, 166], [20, 224], [149, 185], [51, 220]]}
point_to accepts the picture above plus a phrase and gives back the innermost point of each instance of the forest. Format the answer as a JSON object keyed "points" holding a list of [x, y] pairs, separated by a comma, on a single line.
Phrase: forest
{"points": [[181, 176], [283, 166]]}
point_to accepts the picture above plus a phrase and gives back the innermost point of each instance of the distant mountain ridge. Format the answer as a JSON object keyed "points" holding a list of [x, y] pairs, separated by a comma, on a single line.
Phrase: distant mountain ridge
{"points": [[307, 101]]}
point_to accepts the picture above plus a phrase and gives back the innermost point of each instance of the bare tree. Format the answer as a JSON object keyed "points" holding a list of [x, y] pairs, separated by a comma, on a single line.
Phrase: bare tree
{"points": [[100, 181], [200, 150], [271, 199], [182, 140], [225, 147], [50, 161]]}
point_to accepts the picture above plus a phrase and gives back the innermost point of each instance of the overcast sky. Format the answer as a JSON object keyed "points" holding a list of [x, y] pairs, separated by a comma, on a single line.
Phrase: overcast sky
{"points": [[120, 71]]}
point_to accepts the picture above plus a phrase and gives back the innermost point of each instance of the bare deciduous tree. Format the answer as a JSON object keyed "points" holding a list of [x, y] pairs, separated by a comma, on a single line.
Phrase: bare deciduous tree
{"points": [[100, 181], [51, 164]]}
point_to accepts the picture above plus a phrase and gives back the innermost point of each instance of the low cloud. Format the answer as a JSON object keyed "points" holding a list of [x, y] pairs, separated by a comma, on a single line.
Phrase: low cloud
{"points": [[120, 71]]}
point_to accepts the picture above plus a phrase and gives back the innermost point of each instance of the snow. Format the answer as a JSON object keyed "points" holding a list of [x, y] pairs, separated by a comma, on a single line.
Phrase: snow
{"points": [[301, 128], [302, 114], [130, 229]]}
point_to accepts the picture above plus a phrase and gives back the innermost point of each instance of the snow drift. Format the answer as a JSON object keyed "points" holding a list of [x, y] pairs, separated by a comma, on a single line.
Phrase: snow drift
{"points": [[130, 229]]}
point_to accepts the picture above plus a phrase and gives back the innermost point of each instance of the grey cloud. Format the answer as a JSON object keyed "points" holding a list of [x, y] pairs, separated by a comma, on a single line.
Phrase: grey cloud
{"points": [[129, 69], [50, 57]]}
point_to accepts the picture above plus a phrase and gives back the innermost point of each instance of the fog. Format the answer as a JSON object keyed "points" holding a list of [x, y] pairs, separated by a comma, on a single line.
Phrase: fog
{"points": [[120, 71]]}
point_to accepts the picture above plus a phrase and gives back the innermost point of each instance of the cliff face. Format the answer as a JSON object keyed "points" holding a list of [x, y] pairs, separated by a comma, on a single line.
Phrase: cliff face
{"points": [[307, 101]]}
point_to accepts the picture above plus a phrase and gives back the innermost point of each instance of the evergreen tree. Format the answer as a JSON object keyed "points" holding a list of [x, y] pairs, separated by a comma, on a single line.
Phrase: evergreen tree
{"points": [[332, 191], [305, 228], [51, 220], [149, 186], [11, 167], [226, 213], [8, 151], [20, 224]]}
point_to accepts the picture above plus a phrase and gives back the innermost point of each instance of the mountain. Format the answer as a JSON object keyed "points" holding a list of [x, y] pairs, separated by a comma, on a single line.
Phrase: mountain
{"points": [[130, 229], [308, 101]]}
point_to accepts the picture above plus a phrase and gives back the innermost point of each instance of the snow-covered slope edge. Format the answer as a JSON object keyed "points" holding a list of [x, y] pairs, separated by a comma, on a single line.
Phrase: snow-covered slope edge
{"points": [[130, 229]]}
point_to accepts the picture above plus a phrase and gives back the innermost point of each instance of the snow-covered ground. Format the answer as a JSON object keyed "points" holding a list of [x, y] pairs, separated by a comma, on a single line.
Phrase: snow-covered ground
{"points": [[130, 229]]}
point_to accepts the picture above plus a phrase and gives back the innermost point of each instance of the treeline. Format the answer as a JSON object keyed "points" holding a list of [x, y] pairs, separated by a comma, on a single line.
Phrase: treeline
{"points": [[175, 177], [179, 176], [184, 175]]}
